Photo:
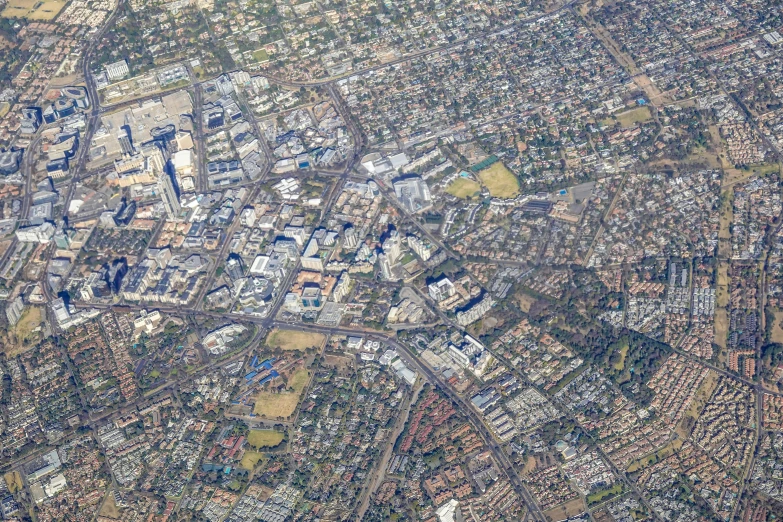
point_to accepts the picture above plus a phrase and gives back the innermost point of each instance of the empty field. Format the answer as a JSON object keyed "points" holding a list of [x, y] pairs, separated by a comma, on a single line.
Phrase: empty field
{"points": [[282, 405], [293, 340], [260, 55], [501, 182], [634, 116], [264, 438], [109, 508], [776, 336], [463, 188], [571, 508], [14, 481], [525, 301], [250, 459], [721, 326], [25, 333], [33, 9]]}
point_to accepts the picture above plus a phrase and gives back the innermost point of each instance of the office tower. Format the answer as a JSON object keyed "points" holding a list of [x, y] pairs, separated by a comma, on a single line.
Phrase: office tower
{"points": [[392, 247], [168, 194], [124, 137], [386, 272]]}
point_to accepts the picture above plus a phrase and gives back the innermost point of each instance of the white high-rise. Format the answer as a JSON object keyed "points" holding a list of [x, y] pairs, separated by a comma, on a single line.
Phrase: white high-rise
{"points": [[168, 194], [392, 247], [386, 271]]}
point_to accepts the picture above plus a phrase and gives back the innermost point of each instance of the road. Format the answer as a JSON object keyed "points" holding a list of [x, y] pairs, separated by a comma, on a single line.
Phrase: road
{"points": [[414, 362], [198, 124], [77, 167], [380, 471]]}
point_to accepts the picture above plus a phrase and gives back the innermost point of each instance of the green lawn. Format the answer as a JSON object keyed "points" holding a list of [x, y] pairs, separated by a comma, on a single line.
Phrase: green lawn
{"points": [[599, 496], [463, 188], [260, 55], [501, 182]]}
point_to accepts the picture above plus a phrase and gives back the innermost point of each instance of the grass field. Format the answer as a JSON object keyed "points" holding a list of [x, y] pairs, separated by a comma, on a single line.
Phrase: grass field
{"points": [[776, 336], [250, 459], [599, 496], [109, 508], [722, 297], [721, 326], [264, 438], [634, 116], [260, 55], [570, 509], [30, 320], [463, 188], [765, 169], [726, 216], [525, 301], [501, 182], [530, 467], [721, 304], [274, 405], [619, 365], [14, 481], [293, 340], [33, 9], [702, 155]]}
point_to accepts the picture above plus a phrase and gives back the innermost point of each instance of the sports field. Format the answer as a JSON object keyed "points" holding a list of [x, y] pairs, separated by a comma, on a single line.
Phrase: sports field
{"points": [[634, 116], [463, 188], [501, 182], [33, 9], [250, 459], [264, 438], [293, 340]]}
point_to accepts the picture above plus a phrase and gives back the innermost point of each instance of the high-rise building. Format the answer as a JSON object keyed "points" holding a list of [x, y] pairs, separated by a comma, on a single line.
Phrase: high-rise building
{"points": [[31, 120], [392, 247], [314, 263], [235, 268], [124, 137], [10, 161], [385, 264], [155, 158], [475, 312], [224, 85], [125, 214], [62, 238], [420, 248], [342, 287], [168, 194], [115, 274], [350, 237]]}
